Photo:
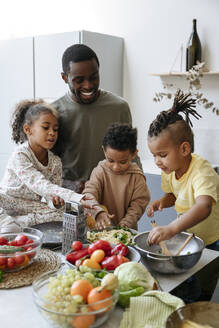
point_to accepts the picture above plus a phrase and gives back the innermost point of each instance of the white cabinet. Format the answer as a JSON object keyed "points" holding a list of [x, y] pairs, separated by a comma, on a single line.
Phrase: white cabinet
{"points": [[16, 83], [48, 51], [31, 68]]}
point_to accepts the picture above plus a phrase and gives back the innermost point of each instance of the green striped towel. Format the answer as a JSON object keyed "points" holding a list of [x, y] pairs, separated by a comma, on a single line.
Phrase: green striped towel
{"points": [[150, 310]]}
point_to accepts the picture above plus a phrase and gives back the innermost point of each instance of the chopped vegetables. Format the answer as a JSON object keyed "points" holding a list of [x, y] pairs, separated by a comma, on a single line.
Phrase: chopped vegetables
{"points": [[113, 236]]}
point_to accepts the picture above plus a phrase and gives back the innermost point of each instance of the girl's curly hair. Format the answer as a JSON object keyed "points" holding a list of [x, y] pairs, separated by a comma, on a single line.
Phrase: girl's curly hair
{"points": [[172, 121], [26, 112]]}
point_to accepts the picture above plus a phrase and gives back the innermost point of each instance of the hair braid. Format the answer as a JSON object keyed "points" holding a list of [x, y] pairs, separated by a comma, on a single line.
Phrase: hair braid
{"points": [[182, 103]]}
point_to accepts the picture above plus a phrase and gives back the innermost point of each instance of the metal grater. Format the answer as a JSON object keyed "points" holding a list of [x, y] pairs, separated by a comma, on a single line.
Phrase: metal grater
{"points": [[74, 225]]}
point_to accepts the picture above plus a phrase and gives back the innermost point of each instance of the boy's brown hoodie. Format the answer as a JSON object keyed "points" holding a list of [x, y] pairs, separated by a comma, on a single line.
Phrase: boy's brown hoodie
{"points": [[125, 195]]}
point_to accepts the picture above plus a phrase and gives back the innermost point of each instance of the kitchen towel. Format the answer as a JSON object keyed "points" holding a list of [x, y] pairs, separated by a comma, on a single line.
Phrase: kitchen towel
{"points": [[150, 310]]}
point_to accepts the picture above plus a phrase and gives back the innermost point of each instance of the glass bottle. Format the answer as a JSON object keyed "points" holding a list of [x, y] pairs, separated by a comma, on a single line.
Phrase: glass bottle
{"points": [[193, 49]]}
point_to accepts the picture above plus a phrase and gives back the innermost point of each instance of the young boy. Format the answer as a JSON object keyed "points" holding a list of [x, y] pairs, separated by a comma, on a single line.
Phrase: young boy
{"points": [[116, 182], [189, 182]]}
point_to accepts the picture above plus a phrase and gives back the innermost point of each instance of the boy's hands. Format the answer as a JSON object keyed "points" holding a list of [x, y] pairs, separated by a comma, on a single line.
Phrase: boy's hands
{"points": [[103, 220], [58, 201], [154, 206], [159, 234]]}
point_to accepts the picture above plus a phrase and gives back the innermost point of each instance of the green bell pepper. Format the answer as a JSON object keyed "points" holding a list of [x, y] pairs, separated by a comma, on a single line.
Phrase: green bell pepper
{"points": [[124, 297]]}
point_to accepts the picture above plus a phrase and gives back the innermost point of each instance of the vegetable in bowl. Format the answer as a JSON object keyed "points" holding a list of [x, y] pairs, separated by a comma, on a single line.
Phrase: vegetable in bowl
{"points": [[134, 280], [113, 235]]}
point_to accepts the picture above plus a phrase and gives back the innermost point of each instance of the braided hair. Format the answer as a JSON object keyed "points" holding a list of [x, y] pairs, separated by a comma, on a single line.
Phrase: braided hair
{"points": [[172, 121], [26, 112]]}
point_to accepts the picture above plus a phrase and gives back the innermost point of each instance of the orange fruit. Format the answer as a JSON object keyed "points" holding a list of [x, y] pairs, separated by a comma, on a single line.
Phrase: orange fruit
{"points": [[83, 321], [95, 295], [97, 255], [81, 287], [91, 264]]}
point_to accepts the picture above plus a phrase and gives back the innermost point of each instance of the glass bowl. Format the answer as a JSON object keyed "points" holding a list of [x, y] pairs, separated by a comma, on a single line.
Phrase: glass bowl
{"points": [[23, 248], [51, 293]]}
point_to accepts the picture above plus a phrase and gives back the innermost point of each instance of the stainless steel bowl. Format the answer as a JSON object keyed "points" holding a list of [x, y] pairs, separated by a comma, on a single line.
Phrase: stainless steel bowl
{"points": [[203, 313], [170, 264]]}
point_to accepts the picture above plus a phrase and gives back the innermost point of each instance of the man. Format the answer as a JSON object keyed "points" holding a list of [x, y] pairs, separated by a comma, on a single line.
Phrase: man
{"points": [[85, 114]]}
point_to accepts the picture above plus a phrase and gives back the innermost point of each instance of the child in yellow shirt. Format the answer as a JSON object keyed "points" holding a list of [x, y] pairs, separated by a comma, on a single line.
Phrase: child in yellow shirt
{"points": [[189, 182]]}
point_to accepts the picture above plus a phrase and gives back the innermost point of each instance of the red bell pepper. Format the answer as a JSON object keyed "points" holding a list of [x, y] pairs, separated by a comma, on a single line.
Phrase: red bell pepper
{"points": [[120, 249], [110, 262], [74, 256], [100, 244]]}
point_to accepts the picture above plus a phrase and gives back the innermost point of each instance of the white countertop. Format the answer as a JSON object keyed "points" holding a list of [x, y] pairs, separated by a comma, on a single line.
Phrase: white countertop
{"points": [[17, 307]]}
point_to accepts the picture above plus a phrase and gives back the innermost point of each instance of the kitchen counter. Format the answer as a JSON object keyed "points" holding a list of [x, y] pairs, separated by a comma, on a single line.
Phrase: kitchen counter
{"points": [[17, 307]]}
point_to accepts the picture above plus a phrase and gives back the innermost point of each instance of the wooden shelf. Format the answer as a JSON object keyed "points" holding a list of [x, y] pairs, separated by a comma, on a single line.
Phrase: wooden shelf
{"points": [[182, 73]]}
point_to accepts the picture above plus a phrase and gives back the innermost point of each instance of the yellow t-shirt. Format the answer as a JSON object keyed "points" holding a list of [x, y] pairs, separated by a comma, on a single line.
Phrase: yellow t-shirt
{"points": [[200, 179]]}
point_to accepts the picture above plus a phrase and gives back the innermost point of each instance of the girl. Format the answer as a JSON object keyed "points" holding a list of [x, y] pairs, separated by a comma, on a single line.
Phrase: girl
{"points": [[189, 182], [30, 191]]}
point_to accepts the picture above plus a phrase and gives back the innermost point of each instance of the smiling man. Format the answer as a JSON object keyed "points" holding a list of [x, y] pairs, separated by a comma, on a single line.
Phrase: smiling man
{"points": [[85, 114]]}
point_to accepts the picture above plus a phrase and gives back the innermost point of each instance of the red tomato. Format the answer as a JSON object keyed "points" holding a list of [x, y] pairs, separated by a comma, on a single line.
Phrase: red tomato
{"points": [[19, 258], [21, 240], [100, 244], [31, 254], [3, 241], [12, 243], [3, 261], [29, 241], [11, 263], [77, 245]]}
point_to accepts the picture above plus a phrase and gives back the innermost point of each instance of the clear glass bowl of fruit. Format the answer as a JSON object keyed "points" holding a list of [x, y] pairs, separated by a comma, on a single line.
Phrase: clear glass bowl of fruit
{"points": [[73, 299], [18, 250]]}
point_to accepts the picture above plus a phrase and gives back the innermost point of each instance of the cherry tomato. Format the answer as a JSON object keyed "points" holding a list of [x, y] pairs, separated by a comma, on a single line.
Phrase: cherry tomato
{"points": [[31, 254], [97, 255], [12, 243], [3, 241], [19, 258], [3, 260], [29, 241], [21, 239], [24, 263], [11, 263], [77, 245]]}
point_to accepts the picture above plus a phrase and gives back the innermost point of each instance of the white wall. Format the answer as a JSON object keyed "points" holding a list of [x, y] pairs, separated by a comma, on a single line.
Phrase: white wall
{"points": [[153, 31]]}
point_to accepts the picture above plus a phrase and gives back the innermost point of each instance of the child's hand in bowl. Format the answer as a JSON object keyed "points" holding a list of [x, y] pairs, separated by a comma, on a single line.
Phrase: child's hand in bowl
{"points": [[159, 234], [104, 220]]}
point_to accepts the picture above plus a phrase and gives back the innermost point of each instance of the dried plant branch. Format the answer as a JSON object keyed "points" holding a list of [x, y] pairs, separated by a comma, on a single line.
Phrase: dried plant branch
{"points": [[194, 77]]}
